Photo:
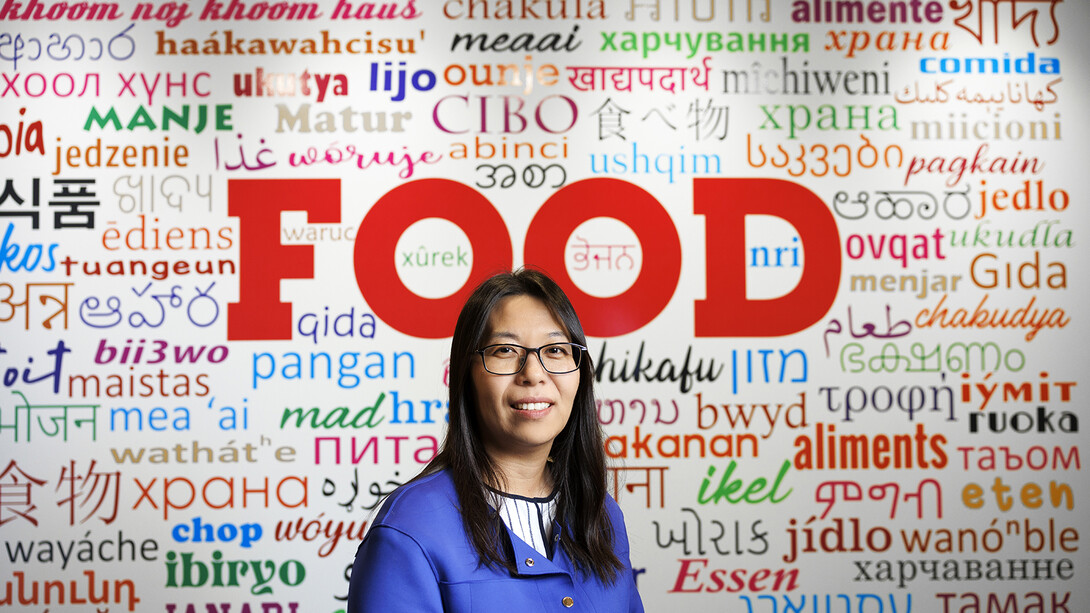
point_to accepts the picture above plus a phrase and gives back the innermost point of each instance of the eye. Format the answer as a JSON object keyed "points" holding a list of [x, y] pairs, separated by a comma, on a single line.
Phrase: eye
{"points": [[502, 351], [558, 351]]}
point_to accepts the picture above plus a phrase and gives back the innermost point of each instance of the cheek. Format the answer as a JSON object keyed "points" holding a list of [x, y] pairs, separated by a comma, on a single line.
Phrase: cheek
{"points": [[488, 392]]}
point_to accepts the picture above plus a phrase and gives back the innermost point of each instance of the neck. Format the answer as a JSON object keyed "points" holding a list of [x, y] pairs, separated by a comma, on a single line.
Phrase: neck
{"points": [[525, 476]]}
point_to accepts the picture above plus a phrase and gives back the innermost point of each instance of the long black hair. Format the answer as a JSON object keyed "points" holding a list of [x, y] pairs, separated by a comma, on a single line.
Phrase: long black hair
{"points": [[578, 466]]}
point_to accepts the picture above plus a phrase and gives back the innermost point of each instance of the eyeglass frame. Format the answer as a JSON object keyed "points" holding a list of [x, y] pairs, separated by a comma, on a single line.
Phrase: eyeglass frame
{"points": [[534, 350]]}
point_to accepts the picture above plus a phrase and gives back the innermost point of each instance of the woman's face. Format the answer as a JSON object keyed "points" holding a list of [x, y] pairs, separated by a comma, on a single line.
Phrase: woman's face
{"points": [[522, 413]]}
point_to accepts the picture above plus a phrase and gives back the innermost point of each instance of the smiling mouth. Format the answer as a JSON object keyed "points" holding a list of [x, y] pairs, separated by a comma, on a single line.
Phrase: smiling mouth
{"points": [[531, 406]]}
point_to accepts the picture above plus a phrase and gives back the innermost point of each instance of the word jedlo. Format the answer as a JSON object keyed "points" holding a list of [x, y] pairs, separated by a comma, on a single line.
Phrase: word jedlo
{"points": [[724, 202]]}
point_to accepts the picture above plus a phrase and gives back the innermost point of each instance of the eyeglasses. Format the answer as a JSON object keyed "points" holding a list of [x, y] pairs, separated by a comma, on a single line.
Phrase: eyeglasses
{"points": [[508, 359]]}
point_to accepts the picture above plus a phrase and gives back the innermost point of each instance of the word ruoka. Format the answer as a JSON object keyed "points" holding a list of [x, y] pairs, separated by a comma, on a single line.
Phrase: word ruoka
{"points": [[833, 492], [623, 78], [1023, 422], [53, 420]]}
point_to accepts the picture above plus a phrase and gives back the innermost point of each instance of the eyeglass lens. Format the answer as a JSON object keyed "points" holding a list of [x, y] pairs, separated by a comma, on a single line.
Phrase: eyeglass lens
{"points": [[557, 358]]}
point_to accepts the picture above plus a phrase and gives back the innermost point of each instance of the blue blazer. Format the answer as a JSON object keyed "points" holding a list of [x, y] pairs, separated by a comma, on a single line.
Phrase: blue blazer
{"points": [[416, 557]]}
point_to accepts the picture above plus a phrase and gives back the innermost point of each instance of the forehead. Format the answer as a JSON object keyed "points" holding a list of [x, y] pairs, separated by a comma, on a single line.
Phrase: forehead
{"points": [[522, 317]]}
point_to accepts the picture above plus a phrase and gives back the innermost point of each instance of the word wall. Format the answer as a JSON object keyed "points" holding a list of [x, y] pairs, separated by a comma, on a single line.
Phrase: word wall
{"points": [[827, 254]]}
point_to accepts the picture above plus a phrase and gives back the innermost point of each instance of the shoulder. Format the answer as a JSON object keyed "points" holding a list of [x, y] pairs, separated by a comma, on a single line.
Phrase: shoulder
{"points": [[427, 505], [420, 527]]}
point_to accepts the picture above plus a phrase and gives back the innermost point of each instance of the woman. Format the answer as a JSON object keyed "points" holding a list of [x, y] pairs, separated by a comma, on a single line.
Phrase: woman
{"points": [[512, 514]]}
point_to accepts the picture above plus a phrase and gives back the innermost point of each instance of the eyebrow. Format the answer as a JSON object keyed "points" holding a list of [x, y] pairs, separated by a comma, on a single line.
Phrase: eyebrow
{"points": [[514, 337]]}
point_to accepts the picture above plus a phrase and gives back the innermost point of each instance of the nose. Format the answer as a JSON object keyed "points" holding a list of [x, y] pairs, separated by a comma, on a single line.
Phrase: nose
{"points": [[533, 370]]}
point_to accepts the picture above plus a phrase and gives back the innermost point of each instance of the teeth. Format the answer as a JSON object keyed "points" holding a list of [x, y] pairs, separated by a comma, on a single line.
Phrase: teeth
{"points": [[531, 406]]}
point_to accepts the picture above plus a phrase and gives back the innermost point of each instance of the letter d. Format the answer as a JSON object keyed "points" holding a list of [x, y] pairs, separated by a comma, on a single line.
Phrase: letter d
{"points": [[726, 311]]}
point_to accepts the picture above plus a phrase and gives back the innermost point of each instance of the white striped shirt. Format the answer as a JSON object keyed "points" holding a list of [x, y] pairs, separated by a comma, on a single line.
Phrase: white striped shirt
{"points": [[531, 519]]}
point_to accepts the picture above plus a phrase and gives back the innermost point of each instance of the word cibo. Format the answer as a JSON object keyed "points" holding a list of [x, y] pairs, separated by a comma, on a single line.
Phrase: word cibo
{"points": [[725, 311]]}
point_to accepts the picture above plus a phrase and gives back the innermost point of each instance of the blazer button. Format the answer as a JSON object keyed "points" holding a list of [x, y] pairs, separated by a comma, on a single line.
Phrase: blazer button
{"points": [[529, 561], [568, 602]]}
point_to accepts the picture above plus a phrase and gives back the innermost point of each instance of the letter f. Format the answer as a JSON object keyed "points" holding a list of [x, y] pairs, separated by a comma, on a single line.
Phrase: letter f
{"points": [[263, 261]]}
